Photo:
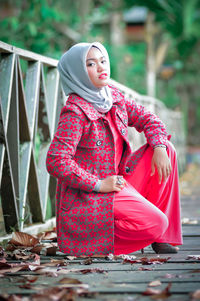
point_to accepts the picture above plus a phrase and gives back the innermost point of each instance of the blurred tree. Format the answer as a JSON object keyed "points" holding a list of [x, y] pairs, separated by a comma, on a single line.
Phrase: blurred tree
{"points": [[180, 21], [44, 26], [50, 27]]}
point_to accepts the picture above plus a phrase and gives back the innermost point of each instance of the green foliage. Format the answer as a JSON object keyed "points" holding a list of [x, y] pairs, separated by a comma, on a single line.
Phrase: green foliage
{"points": [[128, 65], [34, 27]]}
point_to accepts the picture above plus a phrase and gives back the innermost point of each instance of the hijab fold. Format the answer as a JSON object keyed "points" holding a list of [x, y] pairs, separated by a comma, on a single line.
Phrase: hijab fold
{"points": [[75, 78]]}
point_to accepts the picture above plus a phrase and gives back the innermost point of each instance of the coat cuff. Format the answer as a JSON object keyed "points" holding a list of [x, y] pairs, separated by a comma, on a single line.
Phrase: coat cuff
{"points": [[97, 186]]}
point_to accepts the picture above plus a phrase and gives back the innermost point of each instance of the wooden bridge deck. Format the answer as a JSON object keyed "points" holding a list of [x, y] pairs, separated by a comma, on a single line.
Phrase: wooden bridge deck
{"points": [[105, 279]]}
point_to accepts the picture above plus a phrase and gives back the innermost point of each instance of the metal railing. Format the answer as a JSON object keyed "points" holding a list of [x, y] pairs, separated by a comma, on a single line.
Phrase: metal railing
{"points": [[30, 101]]}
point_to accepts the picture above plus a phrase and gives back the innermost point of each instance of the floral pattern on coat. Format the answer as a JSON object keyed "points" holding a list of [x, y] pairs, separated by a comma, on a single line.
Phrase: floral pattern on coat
{"points": [[82, 152]]}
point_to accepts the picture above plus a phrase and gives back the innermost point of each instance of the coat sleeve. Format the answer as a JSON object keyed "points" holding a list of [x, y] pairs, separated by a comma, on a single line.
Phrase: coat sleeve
{"points": [[147, 122], [59, 161]]}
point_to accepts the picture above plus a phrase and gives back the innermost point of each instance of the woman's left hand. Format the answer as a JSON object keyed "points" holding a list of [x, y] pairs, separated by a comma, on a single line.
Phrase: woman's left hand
{"points": [[161, 162]]}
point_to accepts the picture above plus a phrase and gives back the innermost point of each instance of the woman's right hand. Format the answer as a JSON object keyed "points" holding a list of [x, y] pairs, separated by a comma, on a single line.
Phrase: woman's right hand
{"points": [[111, 184]]}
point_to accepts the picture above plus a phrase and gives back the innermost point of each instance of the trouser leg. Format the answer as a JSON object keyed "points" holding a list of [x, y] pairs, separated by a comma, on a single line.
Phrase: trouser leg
{"points": [[137, 222], [164, 196]]}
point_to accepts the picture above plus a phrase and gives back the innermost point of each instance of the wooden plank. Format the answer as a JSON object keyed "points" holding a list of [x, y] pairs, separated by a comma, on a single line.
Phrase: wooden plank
{"points": [[191, 228], [101, 286]]}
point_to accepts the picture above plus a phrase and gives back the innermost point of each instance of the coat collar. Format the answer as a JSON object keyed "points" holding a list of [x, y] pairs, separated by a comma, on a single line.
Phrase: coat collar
{"points": [[88, 108]]}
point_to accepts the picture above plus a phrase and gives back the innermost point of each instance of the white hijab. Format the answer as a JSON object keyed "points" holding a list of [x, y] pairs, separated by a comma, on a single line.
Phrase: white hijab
{"points": [[75, 79]]}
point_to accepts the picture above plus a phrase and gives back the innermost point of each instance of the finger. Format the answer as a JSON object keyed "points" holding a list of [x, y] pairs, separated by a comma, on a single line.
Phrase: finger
{"points": [[125, 183], [152, 169], [159, 175], [117, 189], [165, 173]]}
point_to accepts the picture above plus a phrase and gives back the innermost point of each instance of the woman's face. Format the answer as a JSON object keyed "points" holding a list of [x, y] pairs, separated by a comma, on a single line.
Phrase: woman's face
{"points": [[97, 68]]}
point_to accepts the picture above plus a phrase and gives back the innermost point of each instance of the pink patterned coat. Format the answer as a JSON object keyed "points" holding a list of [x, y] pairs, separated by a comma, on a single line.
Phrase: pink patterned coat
{"points": [[82, 152]]}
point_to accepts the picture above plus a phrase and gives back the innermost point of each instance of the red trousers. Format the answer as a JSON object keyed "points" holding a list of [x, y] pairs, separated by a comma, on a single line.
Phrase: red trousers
{"points": [[146, 211]]}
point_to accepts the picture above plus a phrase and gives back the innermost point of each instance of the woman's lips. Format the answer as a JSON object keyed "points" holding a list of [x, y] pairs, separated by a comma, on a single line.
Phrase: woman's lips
{"points": [[103, 76]]}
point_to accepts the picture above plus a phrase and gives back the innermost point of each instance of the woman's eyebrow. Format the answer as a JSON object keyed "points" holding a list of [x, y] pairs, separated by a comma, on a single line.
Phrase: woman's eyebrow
{"points": [[94, 59]]}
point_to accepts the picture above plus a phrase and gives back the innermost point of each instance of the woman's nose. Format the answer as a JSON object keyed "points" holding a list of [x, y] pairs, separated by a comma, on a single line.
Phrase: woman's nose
{"points": [[100, 67]]}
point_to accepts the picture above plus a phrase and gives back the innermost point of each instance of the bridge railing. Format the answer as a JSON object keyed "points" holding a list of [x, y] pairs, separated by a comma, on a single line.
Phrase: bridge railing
{"points": [[31, 98]]}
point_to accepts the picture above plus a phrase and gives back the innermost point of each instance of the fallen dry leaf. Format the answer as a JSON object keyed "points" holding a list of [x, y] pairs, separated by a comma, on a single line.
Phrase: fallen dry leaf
{"points": [[1, 251], [196, 257], [196, 295], [56, 263], [15, 269], [30, 278], [87, 271], [147, 261], [88, 261], [26, 286], [55, 294], [70, 257], [48, 235], [4, 264], [158, 294], [10, 298], [19, 254], [67, 280], [144, 269], [23, 239], [45, 250], [154, 283], [169, 276], [157, 260]]}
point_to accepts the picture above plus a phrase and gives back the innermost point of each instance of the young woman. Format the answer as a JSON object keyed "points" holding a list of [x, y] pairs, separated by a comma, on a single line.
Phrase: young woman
{"points": [[110, 200]]}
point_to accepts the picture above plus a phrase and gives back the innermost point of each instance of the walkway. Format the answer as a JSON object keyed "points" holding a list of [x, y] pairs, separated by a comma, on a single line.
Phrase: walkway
{"points": [[173, 277]]}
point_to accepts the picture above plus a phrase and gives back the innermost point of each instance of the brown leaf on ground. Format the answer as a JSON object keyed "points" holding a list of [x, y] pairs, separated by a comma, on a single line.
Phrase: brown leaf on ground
{"points": [[15, 269], [144, 269], [154, 283], [70, 257], [156, 260], [45, 250], [1, 251], [87, 271], [170, 276], [158, 294], [19, 254], [88, 261], [55, 294], [36, 260], [68, 280], [30, 278], [196, 257], [10, 298], [26, 286], [147, 261], [56, 263], [196, 295], [4, 264], [23, 239], [48, 235]]}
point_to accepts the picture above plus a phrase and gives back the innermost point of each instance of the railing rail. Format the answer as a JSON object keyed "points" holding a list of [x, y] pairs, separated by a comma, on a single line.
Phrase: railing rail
{"points": [[30, 101]]}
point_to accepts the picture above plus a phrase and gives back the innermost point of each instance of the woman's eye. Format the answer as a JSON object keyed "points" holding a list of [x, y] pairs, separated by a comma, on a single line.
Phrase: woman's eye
{"points": [[90, 64], [104, 62]]}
